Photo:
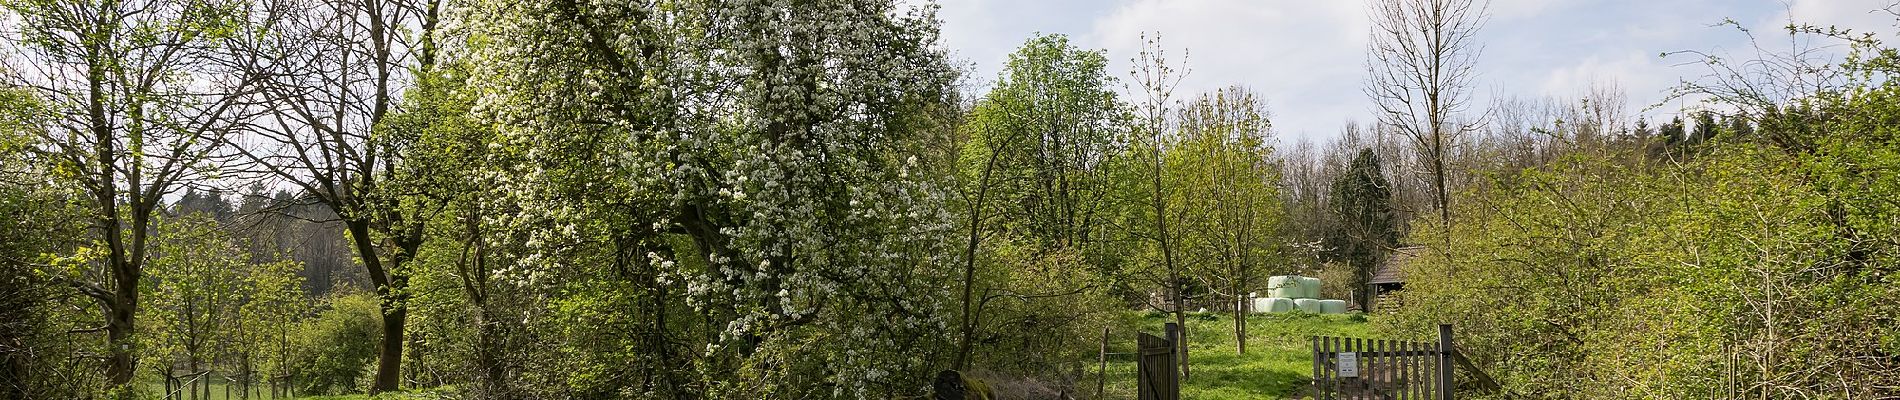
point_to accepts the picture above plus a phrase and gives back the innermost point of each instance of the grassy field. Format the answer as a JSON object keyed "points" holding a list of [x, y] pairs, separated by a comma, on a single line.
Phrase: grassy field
{"points": [[155, 388], [1278, 362]]}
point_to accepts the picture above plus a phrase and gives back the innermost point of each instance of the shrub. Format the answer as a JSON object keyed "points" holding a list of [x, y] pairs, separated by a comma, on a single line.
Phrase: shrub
{"points": [[334, 348]]}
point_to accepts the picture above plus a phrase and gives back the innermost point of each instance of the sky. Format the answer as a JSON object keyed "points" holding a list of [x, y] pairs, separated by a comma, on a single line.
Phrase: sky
{"points": [[1306, 57]]}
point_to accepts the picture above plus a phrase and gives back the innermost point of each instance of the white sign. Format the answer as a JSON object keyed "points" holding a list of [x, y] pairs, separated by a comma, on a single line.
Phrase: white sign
{"points": [[1349, 365]]}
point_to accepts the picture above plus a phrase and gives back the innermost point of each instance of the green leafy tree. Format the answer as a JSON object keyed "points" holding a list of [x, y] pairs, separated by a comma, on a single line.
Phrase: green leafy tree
{"points": [[1034, 176], [1229, 180], [747, 164], [274, 302], [196, 289], [137, 103], [449, 168]]}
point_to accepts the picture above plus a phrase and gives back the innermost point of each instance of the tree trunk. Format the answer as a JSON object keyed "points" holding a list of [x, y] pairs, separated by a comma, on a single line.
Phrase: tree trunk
{"points": [[1438, 173], [389, 354], [120, 363], [1240, 318], [488, 348], [1167, 256], [244, 377], [969, 321], [192, 365], [395, 310], [1180, 320]]}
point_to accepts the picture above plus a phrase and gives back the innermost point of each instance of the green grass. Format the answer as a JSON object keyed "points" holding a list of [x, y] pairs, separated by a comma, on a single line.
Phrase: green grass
{"points": [[389, 396], [1278, 363], [422, 395], [155, 390]]}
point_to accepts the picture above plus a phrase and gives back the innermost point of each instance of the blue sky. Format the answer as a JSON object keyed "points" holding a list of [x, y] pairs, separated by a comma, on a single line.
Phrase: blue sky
{"points": [[1307, 56]]}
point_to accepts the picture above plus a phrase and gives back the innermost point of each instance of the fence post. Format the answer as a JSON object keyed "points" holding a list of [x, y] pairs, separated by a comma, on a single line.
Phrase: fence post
{"points": [[1318, 360], [1445, 350], [1101, 379]]}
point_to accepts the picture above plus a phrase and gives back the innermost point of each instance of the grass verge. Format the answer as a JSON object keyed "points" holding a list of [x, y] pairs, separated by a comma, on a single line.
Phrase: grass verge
{"points": [[1278, 362]]}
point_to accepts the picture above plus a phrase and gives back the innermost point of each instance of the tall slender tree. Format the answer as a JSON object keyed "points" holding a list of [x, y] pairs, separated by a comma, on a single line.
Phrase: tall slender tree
{"points": [[1157, 211], [1419, 65], [138, 104], [336, 72]]}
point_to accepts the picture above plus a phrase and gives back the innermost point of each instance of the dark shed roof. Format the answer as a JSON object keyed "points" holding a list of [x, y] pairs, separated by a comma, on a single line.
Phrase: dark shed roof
{"points": [[1390, 270]]}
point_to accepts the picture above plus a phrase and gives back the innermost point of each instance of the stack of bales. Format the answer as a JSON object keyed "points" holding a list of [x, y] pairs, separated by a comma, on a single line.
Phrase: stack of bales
{"points": [[1287, 293]]}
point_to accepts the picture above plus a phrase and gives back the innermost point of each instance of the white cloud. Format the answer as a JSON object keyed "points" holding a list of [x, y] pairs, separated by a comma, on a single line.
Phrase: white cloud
{"points": [[1515, 9], [1305, 57], [984, 32], [1858, 15]]}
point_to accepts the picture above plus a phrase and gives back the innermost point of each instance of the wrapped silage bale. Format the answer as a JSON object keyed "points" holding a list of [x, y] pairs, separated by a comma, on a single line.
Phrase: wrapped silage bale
{"points": [[1309, 287], [1285, 286], [1307, 305], [1332, 306], [1262, 304], [1279, 304]]}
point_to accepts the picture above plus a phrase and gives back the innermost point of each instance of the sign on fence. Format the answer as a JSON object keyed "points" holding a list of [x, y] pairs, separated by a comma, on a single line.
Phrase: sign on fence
{"points": [[1349, 365]]}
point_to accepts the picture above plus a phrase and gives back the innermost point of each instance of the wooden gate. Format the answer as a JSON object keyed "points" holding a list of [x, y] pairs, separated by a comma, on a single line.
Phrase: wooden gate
{"points": [[1158, 376], [1358, 368]]}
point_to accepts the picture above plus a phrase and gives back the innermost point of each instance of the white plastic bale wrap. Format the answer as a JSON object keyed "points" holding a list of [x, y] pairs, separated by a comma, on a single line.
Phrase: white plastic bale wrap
{"points": [[1307, 305], [1262, 304], [1332, 306], [1279, 304], [1285, 286], [1309, 287]]}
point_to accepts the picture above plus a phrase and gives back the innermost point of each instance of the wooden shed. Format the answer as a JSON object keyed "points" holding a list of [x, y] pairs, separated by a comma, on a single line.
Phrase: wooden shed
{"points": [[1389, 280]]}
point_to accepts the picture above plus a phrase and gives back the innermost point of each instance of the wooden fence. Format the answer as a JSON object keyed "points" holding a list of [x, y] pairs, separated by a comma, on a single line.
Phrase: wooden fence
{"points": [[1359, 368]]}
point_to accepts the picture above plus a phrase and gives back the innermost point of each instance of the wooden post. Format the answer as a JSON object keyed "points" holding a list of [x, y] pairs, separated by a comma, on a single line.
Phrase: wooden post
{"points": [[1318, 360], [1358, 381], [1336, 345], [1101, 379], [1412, 371], [1445, 349], [1379, 365]]}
